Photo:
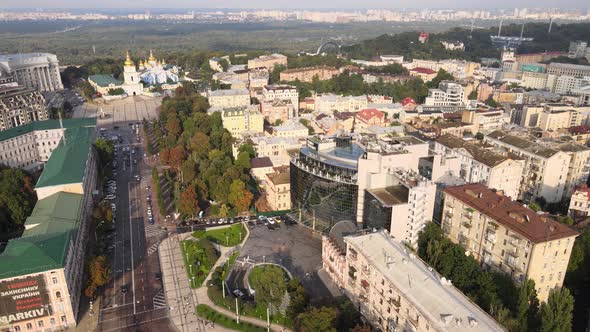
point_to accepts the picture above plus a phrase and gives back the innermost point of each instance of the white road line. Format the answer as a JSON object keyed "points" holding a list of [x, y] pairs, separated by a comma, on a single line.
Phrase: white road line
{"points": [[131, 239]]}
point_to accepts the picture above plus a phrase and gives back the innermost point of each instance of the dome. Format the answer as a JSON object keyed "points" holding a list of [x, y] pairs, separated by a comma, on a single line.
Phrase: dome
{"points": [[151, 58], [128, 61]]}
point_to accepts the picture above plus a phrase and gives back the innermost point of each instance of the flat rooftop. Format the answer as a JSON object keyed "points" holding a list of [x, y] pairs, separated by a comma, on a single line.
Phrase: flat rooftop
{"points": [[390, 196], [444, 306], [346, 157]]}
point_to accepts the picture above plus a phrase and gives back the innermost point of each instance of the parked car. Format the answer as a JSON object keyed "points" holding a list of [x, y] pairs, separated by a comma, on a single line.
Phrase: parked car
{"points": [[124, 289], [238, 293], [110, 197]]}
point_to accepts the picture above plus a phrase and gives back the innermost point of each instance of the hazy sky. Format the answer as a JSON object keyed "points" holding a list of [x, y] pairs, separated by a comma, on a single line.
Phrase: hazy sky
{"points": [[344, 4]]}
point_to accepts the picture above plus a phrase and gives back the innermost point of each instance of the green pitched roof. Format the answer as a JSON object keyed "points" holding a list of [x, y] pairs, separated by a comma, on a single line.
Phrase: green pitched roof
{"points": [[104, 80], [67, 163], [43, 245], [46, 125]]}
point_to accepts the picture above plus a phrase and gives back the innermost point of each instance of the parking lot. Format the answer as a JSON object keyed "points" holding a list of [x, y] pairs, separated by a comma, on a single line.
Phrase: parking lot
{"points": [[292, 246], [129, 109]]}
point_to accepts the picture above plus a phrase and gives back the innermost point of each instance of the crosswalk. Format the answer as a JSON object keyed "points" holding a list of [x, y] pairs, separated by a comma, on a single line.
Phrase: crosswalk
{"points": [[152, 249], [153, 230], [160, 300]]}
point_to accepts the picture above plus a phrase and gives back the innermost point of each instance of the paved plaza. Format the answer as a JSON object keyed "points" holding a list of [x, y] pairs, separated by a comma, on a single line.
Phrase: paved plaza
{"points": [[130, 109]]}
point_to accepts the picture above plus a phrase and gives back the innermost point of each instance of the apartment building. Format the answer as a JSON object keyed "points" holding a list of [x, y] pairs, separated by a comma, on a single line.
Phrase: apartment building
{"points": [[568, 69], [20, 105], [477, 164], [580, 202], [229, 98], [403, 207], [553, 120], [278, 149], [282, 92], [30, 146], [484, 121], [367, 118], [39, 71], [45, 266], [508, 236], [291, 128], [242, 121], [267, 61], [278, 191], [577, 49], [328, 103], [307, 74], [545, 169], [394, 289], [447, 94], [566, 84], [425, 74], [277, 110]]}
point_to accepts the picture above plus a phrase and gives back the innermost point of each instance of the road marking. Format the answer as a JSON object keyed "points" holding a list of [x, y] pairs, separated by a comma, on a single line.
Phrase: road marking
{"points": [[131, 240]]}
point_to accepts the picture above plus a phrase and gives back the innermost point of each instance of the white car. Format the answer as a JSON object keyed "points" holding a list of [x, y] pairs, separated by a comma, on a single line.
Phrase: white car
{"points": [[109, 197], [238, 293], [271, 221], [149, 212]]}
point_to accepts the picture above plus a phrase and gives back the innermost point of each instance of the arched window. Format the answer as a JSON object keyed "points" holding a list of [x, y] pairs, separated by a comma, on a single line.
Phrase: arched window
{"points": [[58, 295]]}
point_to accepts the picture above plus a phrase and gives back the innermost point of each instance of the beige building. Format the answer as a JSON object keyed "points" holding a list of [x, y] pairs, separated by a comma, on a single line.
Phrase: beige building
{"points": [[394, 289], [267, 61], [307, 74], [484, 121], [277, 109], [554, 120], [278, 191], [507, 236], [328, 103], [477, 165], [291, 128], [568, 69], [229, 98], [243, 120]]}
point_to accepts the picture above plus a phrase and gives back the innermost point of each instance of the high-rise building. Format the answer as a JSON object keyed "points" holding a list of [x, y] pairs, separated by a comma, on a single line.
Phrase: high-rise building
{"points": [[447, 94], [33, 70], [577, 49]]}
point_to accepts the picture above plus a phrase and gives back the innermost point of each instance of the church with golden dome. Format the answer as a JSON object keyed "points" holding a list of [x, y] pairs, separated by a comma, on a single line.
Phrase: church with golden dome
{"points": [[157, 72]]}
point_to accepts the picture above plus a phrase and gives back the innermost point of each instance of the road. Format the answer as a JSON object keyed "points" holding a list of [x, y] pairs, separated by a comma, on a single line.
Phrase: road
{"points": [[133, 261]]}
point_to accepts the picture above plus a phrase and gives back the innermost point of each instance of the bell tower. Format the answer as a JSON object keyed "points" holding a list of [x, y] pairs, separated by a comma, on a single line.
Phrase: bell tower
{"points": [[130, 73]]}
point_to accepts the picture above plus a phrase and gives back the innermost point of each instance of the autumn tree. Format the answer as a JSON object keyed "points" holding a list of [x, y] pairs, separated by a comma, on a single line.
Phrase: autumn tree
{"points": [[176, 156], [188, 203], [239, 196], [199, 145], [173, 125]]}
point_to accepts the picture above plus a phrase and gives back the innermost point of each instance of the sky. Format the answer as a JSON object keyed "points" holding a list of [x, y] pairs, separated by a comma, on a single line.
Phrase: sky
{"points": [[290, 4]]}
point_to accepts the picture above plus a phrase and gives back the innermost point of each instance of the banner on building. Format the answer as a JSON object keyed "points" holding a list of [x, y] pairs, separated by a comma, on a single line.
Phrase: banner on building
{"points": [[23, 299]]}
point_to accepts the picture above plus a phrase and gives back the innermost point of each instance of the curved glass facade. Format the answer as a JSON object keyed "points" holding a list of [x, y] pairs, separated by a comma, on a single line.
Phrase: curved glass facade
{"points": [[322, 194]]}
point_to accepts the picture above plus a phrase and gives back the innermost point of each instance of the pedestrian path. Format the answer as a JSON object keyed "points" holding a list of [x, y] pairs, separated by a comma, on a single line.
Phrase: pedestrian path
{"points": [[153, 230], [160, 300], [153, 249]]}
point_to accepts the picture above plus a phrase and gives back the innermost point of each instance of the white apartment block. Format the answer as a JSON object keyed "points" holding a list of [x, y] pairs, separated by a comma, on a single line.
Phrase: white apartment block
{"points": [[508, 236], [568, 69], [484, 121], [328, 103], [278, 149], [447, 94], [580, 202], [395, 290], [33, 70], [229, 98], [565, 84], [292, 128], [477, 164], [545, 169], [282, 92]]}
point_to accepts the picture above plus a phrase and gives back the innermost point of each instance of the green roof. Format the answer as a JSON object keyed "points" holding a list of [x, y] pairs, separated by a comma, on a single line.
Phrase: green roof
{"points": [[46, 125], [44, 243], [67, 163], [104, 80]]}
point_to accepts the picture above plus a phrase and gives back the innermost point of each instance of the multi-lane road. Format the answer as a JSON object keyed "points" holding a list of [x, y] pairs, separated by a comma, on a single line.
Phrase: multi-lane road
{"points": [[133, 299]]}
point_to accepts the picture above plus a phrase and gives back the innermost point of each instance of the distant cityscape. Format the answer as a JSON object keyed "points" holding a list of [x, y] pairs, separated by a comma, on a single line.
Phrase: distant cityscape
{"points": [[369, 15]]}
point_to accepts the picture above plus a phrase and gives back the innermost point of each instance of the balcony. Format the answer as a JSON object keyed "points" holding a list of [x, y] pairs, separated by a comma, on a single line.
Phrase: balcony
{"points": [[491, 237], [394, 302], [513, 253], [466, 224]]}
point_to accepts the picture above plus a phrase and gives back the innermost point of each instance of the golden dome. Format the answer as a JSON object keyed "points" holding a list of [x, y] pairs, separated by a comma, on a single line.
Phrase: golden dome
{"points": [[151, 58], [163, 62], [128, 61]]}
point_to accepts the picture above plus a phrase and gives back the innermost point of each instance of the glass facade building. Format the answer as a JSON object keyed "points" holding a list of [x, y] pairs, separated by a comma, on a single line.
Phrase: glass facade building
{"points": [[324, 186]]}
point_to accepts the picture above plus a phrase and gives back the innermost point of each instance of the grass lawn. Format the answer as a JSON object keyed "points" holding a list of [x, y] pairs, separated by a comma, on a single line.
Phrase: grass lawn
{"points": [[227, 237], [199, 257], [208, 313]]}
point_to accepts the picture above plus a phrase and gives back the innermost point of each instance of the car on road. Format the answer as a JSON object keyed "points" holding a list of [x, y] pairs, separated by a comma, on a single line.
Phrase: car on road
{"points": [[110, 197], [251, 224], [238, 293], [124, 289], [158, 275], [271, 221]]}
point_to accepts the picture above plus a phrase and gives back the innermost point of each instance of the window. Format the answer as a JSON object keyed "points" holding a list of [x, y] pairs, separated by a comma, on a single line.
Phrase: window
{"points": [[58, 295], [54, 280], [63, 319], [52, 321], [17, 328], [29, 326], [40, 323]]}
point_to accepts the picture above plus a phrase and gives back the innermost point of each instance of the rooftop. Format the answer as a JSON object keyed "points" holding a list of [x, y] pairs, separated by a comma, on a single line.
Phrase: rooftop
{"points": [[67, 163], [484, 156], [233, 92], [53, 223], [423, 70], [104, 80], [513, 215], [445, 307], [304, 69], [260, 162], [279, 178], [46, 125], [523, 144], [392, 195]]}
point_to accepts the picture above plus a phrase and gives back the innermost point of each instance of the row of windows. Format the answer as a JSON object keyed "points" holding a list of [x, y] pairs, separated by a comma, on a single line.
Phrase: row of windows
{"points": [[40, 323]]}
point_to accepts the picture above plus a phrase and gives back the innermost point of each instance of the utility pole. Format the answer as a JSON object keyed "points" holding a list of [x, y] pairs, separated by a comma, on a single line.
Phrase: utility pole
{"points": [[237, 312], [267, 319]]}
